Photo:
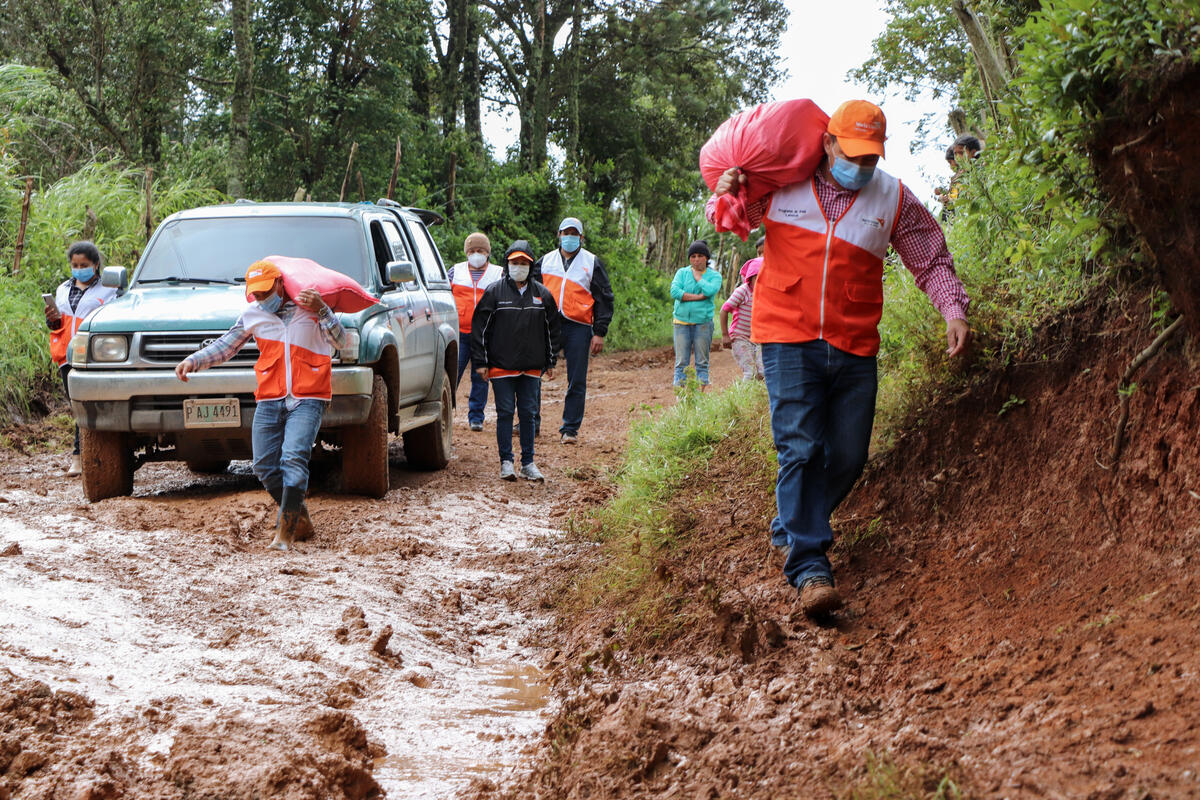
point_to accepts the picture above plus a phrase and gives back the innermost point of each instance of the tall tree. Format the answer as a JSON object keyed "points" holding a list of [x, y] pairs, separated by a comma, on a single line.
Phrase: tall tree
{"points": [[521, 38], [127, 62], [239, 114]]}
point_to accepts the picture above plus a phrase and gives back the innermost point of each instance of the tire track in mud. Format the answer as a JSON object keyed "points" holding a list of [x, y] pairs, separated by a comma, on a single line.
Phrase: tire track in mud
{"points": [[166, 610]]}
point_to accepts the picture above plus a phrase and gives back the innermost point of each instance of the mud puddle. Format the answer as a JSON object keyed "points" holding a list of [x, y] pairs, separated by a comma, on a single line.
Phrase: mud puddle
{"points": [[169, 600]]}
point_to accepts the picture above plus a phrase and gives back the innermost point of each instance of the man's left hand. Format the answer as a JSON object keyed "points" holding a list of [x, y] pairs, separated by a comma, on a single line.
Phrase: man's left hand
{"points": [[310, 299], [958, 336], [597, 345]]}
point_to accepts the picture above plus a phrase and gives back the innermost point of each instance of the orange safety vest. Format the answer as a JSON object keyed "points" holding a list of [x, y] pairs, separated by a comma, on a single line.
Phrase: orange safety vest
{"points": [[467, 293], [94, 296], [571, 287], [823, 278], [293, 359]]}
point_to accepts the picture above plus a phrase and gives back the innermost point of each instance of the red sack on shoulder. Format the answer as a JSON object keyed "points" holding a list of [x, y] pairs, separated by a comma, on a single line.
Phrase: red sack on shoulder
{"points": [[775, 145], [340, 292]]}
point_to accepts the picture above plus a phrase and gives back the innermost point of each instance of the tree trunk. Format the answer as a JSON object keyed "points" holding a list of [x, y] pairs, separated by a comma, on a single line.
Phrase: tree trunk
{"points": [[472, 91], [991, 65], [239, 116]]}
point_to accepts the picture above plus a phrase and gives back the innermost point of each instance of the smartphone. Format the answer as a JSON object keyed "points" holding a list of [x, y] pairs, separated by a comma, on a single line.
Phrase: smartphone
{"points": [[48, 299]]}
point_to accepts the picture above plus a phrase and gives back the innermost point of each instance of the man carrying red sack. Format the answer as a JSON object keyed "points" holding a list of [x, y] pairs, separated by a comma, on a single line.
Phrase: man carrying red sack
{"points": [[296, 340], [816, 312]]}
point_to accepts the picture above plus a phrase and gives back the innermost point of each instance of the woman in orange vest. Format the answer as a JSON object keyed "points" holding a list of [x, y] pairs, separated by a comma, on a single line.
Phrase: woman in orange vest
{"points": [[75, 298], [469, 280], [296, 340]]}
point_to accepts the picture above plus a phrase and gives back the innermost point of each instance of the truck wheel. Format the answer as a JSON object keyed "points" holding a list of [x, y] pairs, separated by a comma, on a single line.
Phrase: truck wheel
{"points": [[209, 467], [428, 447], [365, 449], [107, 464]]}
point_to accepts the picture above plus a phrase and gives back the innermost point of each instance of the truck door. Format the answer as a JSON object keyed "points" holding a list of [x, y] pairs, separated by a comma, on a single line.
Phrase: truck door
{"points": [[420, 343]]}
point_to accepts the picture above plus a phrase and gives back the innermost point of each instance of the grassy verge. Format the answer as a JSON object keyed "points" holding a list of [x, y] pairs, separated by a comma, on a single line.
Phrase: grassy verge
{"points": [[883, 779], [665, 482]]}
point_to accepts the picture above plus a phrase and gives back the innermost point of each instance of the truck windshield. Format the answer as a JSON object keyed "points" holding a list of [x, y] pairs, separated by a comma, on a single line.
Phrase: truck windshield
{"points": [[220, 249]]}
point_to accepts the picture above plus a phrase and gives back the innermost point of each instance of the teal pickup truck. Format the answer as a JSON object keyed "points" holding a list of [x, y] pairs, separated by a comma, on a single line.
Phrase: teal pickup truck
{"points": [[395, 374]]}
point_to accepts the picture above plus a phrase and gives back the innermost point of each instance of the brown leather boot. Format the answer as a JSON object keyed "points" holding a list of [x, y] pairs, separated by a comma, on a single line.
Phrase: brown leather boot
{"points": [[304, 528], [289, 518], [818, 597]]}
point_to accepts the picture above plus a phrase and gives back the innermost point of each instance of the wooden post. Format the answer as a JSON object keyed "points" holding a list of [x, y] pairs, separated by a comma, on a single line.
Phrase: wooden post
{"points": [[362, 193], [450, 188], [149, 202], [346, 179], [24, 219], [395, 170]]}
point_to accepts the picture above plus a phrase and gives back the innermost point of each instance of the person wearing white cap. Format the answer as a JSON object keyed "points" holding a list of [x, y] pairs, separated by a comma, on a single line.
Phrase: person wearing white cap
{"points": [[579, 282]]}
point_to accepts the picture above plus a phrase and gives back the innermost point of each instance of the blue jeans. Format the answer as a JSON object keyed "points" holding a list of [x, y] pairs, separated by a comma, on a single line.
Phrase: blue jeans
{"points": [[822, 410], [519, 393], [576, 347], [689, 340], [477, 399], [283, 440]]}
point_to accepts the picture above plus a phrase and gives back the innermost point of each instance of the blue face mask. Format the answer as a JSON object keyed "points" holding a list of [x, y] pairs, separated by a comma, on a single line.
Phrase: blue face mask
{"points": [[569, 243], [271, 304], [850, 175], [84, 275]]}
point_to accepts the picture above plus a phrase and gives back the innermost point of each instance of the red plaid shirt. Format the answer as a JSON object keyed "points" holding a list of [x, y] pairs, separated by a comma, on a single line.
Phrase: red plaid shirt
{"points": [[917, 239]]}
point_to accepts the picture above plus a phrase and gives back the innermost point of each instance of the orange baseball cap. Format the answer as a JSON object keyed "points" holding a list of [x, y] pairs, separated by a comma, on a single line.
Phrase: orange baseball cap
{"points": [[261, 276], [860, 128]]}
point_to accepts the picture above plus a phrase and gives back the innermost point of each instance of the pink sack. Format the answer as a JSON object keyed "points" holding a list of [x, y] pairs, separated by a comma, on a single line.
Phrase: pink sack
{"points": [[775, 145], [340, 292]]}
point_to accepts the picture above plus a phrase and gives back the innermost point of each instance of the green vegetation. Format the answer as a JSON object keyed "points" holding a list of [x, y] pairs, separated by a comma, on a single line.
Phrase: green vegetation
{"points": [[886, 780], [1030, 233], [662, 484]]}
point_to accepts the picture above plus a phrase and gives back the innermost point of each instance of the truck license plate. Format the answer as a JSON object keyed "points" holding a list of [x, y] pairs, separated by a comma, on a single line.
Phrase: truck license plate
{"points": [[223, 413]]}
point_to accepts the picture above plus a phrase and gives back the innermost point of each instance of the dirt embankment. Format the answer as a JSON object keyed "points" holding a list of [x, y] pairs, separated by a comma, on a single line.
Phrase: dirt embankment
{"points": [[152, 647], [1022, 613]]}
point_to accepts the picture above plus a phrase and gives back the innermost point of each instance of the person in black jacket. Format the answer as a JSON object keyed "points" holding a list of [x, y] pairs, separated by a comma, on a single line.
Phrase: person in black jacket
{"points": [[514, 341]]}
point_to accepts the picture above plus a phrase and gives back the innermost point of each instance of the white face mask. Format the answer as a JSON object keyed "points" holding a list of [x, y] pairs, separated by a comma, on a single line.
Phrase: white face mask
{"points": [[477, 260], [519, 272]]}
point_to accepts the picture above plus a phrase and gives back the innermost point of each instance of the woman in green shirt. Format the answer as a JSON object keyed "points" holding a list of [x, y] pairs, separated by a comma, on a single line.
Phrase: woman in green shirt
{"points": [[694, 288]]}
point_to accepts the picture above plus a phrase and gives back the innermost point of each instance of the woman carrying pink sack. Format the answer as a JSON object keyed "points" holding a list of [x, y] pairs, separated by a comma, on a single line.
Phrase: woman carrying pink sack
{"points": [[740, 303]]}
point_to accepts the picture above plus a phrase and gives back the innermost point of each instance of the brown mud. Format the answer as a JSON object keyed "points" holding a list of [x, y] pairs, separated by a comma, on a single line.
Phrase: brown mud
{"points": [[152, 647], [1023, 615]]}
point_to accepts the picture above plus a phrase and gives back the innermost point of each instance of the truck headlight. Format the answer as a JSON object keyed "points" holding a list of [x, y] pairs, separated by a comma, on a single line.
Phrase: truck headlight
{"points": [[348, 354], [77, 350], [109, 348]]}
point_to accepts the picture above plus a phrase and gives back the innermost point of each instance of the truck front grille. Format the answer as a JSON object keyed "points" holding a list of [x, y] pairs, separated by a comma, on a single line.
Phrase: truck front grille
{"points": [[171, 348]]}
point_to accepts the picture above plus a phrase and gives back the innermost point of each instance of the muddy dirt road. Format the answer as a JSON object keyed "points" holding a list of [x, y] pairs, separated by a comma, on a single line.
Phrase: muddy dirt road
{"points": [[151, 646]]}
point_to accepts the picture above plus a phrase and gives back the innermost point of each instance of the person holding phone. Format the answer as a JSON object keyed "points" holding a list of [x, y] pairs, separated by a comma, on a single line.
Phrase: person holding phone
{"points": [[75, 298]]}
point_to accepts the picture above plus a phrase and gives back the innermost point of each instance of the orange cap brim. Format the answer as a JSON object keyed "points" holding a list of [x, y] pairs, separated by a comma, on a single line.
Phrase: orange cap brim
{"points": [[261, 284], [860, 147], [520, 257]]}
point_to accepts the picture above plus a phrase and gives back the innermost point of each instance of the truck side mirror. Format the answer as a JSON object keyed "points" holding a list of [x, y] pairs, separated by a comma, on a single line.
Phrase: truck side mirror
{"points": [[114, 278], [401, 271]]}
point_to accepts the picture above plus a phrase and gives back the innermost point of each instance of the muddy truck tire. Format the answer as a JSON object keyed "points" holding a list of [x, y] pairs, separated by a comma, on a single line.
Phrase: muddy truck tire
{"points": [[107, 464], [428, 447], [365, 449]]}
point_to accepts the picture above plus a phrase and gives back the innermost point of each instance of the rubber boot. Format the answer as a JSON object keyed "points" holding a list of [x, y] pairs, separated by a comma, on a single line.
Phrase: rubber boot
{"points": [[292, 499], [304, 528]]}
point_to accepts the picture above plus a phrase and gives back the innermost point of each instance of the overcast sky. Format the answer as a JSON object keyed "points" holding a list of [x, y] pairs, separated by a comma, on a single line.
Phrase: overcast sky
{"points": [[823, 42]]}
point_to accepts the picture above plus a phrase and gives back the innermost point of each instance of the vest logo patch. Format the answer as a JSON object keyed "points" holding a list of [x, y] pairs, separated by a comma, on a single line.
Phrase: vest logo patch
{"points": [[872, 222], [537, 301]]}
